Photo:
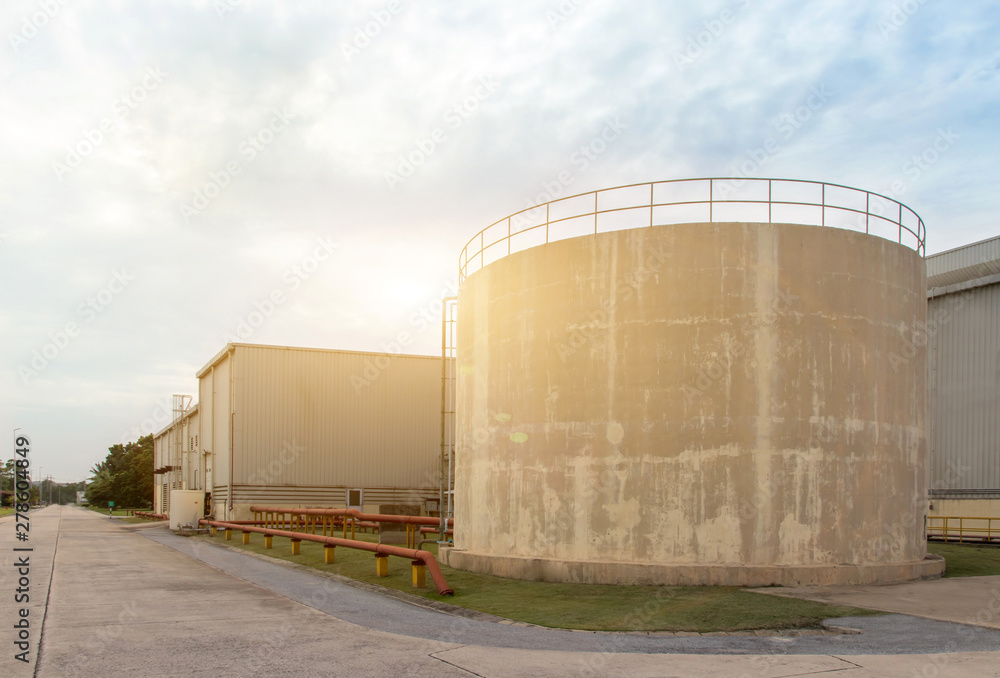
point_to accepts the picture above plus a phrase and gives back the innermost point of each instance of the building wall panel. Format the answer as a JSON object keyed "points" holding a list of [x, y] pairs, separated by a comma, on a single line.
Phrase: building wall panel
{"points": [[964, 398], [336, 418]]}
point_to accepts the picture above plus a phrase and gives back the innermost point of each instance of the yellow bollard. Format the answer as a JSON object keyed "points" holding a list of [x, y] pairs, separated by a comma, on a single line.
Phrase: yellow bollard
{"points": [[229, 534], [352, 528], [246, 538], [381, 565], [268, 541], [328, 553], [212, 531], [295, 546], [419, 575]]}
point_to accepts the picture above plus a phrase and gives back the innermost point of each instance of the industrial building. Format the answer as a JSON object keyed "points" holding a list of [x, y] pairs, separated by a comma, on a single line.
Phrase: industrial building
{"points": [[710, 381], [962, 337], [176, 460], [306, 427]]}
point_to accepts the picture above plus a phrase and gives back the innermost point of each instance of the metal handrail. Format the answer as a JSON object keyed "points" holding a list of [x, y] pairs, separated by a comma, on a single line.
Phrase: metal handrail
{"points": [[976, 531], [470, 256]]}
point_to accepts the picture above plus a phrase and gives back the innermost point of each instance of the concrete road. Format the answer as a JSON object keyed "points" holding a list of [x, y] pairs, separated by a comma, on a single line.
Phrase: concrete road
{"points": [[123, 605], [964, 600]]}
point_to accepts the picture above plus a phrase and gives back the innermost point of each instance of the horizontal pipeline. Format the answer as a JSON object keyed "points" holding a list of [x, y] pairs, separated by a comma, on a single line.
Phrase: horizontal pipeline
{"points": [[425, 557], [354, 513], [154, 516]]}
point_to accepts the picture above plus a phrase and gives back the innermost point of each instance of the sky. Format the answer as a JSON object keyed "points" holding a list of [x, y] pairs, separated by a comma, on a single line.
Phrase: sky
{"points": [[176, 175]]}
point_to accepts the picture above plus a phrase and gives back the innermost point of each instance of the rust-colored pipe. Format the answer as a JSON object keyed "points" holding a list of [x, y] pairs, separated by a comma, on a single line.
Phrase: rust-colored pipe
{"points": [[425, 557], [354, 513]]}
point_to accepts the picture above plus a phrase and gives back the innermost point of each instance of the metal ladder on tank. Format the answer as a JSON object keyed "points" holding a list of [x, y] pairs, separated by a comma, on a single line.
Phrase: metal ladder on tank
{"points": [[449, 318]]}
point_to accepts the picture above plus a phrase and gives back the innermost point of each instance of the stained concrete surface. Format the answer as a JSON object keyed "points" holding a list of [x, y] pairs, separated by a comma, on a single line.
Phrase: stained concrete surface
{"points": [[124, 605]]}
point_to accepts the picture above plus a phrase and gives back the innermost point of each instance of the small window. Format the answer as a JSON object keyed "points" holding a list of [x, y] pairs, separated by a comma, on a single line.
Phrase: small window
{"points": [[355, 498]]}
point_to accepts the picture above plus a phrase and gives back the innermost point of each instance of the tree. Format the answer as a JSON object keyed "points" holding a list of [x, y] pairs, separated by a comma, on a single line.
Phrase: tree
{"points": [[7, 486], [125, 476]]}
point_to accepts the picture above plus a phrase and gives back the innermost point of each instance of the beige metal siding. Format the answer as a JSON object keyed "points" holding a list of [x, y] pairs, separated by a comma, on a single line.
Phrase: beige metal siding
{"points": [[215, 389], [335, 419], [964, 397]]}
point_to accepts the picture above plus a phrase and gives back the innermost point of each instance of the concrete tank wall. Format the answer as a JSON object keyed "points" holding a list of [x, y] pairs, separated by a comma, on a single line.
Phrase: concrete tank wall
{"points": [[728, 403]]}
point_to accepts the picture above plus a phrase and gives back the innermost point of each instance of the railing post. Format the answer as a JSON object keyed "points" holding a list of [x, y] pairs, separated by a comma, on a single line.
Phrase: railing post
{"points": [[868, 209], [900, 222], [508, 236], [546, 223], [711, 199], [823, 206], [595, 212], [651, 204], [769, 219]]}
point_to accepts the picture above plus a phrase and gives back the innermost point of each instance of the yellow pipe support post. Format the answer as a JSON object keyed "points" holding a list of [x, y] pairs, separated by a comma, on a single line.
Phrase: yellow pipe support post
{"points": [[268, 541], [419, 575], [229, 535], [352, 527], [328, 553], [212, 530], [246, 538], [343, 524], [381, 565], [295, 546]]}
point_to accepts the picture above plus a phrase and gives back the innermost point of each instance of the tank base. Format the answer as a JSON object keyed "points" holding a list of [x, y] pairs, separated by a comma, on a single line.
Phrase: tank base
{"points": [[580, 572]]}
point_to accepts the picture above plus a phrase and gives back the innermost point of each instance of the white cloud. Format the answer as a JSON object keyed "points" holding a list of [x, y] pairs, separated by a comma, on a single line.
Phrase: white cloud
{"points": [[324, 175]]}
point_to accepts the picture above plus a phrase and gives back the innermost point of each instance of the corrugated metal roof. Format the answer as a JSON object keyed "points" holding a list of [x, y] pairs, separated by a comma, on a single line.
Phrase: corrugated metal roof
{"points": [[976, 260]]}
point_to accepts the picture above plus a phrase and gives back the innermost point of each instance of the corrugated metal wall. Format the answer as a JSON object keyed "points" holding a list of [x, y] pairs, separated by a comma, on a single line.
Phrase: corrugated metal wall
{"points": [[332, 418], [215, 408], [964, 398], [172, 447]]}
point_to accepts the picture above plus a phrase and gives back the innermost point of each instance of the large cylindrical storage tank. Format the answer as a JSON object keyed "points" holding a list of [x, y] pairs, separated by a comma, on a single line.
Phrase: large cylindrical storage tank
{"points": [[698, 403]]}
